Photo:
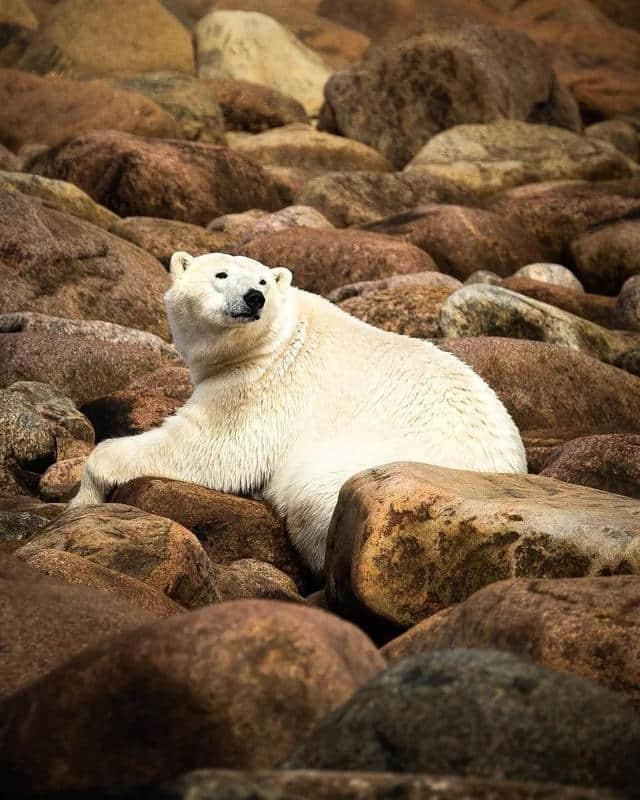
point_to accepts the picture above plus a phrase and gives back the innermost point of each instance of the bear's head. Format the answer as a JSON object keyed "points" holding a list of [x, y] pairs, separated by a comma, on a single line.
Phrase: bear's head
{"points": [[224, 308]]}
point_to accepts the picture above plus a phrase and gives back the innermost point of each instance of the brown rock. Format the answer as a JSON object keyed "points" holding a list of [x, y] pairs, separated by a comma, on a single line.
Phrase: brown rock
{"points": [[556, 212], [302, 146], [45, 622], [354, 198], [229, 528], [151, 549], [142, 405], [462, 240], [542, 387], [234, 685], [594, 307], [74, 569], [608, 462], [409, 310], [187, 181], [398, 98], [161, 238], [323, 260], [8, 160], [252, 107], [407, 540], [607, 255], [627, 309], [50, 110], [427, 280], [584, 626], [250, 579], [286, 218], [58, 264], [21, 517], [109, 38], [617, 132], [555, 274], [61, 481]]}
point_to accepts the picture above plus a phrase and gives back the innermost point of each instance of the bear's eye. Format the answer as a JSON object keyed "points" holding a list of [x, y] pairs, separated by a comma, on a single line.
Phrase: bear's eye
{"points": [[221, 274], [263, 282]]}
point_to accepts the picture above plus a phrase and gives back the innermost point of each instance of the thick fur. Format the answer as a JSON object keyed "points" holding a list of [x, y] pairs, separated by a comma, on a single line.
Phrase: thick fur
{"points": [[292, 404]]}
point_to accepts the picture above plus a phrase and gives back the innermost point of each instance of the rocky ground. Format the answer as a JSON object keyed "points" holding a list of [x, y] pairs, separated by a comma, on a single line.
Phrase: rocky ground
{"points": [[465, 171]]}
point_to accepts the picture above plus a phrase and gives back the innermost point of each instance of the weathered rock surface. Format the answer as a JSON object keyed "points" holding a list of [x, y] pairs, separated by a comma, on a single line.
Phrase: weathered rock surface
{"points": [[555, 274], [62, 621], [61, 195], [50, 110], [542, 387], [556, 212], [300, 145], [253, 107], [188, 100], [109, 38], [161, 238], [409, 310], [250, 579], [9, 161], [286, 218], [182, 180], [74, 569], [618, 133], [149, 548], [607, 255], [536, 724], [583, 626], [142, 405], [61, 481], [58, 264], [610, 462], [492, 157], [21, 516], [627, 310], [322, 260], [493, 311], [407, 540], [427, 280], [398, 98], [254, 47], [234, 685], [229, 528], [354, 198], [463, 240]]}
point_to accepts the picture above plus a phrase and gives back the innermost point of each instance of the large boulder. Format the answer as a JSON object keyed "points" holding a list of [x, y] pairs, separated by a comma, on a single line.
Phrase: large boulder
{"points": [[112, 38], [188, 100], [322, 260], [610, 462], [500, 716], [229, 528], [49, 110], [254, 47], [462, 240], [354, 198], [584, 626], [606, 256], [134, 176], [21, 516], [398, 98], [479, 310], [407, 540], [45, 622], [149, 548], [489, 158], [58, 264], [234, 685]]}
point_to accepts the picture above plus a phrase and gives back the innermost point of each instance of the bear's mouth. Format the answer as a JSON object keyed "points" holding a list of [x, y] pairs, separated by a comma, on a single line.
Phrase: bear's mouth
{"points": [[250, 316]]}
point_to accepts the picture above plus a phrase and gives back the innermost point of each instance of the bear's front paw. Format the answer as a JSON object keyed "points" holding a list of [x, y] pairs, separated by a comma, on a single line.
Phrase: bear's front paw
{"points": [[99, 475]]}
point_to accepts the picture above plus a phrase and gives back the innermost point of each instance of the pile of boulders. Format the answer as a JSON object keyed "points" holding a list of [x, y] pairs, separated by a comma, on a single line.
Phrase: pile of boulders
{"points": [[451, 171]]}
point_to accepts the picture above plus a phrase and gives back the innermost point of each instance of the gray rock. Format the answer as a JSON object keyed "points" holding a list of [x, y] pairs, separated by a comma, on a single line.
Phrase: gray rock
{"points": [[617, 132], [480, 713], [555, 274]]}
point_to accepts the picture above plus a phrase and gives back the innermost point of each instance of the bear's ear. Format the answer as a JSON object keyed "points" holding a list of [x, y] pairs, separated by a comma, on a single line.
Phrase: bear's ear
{"points": [[179, 263], [282, 277]]}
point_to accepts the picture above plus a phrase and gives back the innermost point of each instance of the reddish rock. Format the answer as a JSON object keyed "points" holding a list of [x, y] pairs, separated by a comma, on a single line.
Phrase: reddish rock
{"points": [[427, 280], [61, 481], [22, 516], [462, 240], [322, 260], [606, 256], [584, 626], [252, 107], [250, 579], [627, 309], [229, 528], [234, 685], [45, 622], [181, 180], [61, 265], [151, 549], [608, 462], [49, 110]]}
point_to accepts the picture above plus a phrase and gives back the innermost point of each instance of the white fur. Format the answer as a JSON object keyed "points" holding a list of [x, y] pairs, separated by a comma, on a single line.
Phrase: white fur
{"points": [[293, 404]]}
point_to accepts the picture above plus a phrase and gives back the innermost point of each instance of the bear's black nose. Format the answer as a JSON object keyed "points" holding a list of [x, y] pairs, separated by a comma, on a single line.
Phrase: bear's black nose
{"points": [[254, 299]]}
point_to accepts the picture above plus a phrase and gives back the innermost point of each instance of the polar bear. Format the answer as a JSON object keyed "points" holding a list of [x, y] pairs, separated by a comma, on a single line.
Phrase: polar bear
{"points": [[293, 396]]}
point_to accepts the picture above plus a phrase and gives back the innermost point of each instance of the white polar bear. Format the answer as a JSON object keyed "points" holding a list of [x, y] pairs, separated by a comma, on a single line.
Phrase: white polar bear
{"points": [[293, 396]]}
